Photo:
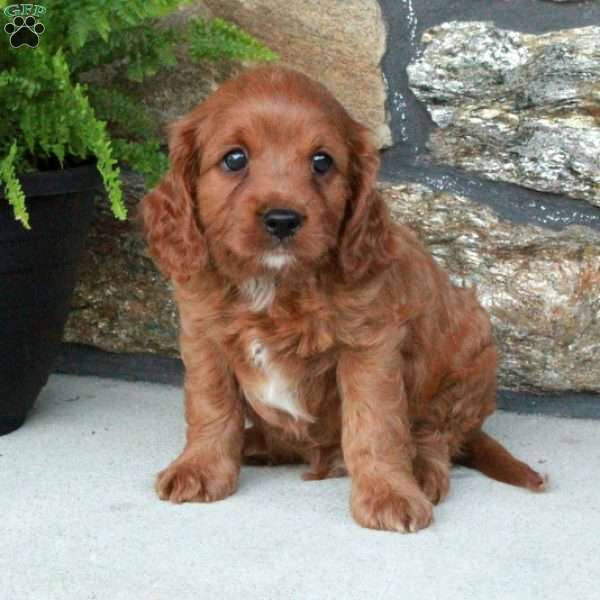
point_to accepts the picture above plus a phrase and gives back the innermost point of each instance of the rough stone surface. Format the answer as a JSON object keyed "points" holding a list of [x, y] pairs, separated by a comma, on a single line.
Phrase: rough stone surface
{"points": [[542, 288], [121, 303], [171, 94], [515, 107], [339, 43]]}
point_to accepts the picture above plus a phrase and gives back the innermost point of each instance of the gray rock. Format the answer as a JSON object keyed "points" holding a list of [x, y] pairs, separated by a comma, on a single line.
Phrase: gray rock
{"points": [[121, 302], [542, 288], [515, 107]]}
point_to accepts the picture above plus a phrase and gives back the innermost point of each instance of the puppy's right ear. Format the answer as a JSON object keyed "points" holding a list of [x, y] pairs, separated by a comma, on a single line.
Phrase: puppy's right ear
{"points": [[168, 212]]}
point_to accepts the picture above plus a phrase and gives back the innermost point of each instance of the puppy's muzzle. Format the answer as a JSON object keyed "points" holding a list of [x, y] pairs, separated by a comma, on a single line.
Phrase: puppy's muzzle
{"points": [[282, 223]]}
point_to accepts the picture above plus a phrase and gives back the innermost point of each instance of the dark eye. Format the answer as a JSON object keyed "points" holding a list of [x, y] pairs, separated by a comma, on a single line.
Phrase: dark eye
{"points": [[321, 163], [235, 160]]}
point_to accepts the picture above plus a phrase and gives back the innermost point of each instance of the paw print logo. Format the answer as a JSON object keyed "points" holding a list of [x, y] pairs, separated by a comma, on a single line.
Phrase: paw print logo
{"points": [[24, 32]]}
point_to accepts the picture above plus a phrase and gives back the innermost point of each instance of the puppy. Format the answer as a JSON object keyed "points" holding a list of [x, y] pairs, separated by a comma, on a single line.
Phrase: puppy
{"points": [[307, 311]]}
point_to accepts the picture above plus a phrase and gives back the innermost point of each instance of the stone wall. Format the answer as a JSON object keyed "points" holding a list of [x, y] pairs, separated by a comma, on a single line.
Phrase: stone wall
{"points": [[488, 114]]}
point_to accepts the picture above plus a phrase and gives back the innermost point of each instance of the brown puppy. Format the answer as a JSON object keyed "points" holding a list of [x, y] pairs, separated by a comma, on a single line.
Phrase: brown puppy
{"points": [[305, 309]]}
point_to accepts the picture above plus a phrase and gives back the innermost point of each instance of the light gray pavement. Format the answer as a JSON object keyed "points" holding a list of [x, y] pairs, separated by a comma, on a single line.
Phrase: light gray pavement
{"points": [[79, 519]]}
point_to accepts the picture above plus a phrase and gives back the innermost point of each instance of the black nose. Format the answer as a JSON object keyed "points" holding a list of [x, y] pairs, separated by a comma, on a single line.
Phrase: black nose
{"points": [[281, 222]]}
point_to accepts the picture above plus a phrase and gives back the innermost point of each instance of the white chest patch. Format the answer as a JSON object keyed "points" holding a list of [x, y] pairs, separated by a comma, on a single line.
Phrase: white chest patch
{"points": [[260, 292], [275, 390]]}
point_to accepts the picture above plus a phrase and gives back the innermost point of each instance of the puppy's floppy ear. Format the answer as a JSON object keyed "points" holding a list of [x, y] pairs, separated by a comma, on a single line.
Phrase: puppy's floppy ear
{"points": [[366, 240], [168, 212]]}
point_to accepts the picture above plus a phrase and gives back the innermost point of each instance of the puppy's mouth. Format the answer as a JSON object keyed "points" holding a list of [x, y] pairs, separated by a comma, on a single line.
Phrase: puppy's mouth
{"points": [[277, 259]]}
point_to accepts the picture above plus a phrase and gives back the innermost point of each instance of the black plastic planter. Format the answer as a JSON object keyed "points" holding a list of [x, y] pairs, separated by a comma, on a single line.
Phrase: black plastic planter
{"points": [[38, 268]]}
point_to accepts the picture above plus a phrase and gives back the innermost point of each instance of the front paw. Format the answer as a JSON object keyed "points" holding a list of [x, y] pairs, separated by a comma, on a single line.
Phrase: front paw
{"points": [[191, 480], [399, 506]]}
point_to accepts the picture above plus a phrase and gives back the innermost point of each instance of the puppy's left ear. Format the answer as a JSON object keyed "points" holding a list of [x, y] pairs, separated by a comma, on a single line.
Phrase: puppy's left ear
{"points": [[174, 236], [366, 241]]}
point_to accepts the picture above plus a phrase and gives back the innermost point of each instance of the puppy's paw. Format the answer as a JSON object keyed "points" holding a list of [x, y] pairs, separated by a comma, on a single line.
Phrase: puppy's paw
{"points": [[433, 478], [190, 481], [377, 504]]}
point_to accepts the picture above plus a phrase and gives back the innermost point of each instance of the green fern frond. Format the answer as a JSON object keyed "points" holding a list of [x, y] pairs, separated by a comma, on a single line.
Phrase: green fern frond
{"points": [[98, 143], [122, 113], [146, 158], [85, 20], [142, 50], [217, 38], [12, 186]]}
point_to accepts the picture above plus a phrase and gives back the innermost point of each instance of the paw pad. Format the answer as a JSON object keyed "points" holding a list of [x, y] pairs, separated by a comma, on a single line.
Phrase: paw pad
{"points": [[24, 31]]}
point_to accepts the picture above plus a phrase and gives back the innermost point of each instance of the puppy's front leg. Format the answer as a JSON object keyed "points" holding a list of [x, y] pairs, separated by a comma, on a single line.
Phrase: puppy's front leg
{"points": [[208, 468], [376, 442]]}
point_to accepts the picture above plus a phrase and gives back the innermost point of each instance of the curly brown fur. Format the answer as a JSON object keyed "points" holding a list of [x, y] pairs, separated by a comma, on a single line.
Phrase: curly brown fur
{"points": [[346, 345]]}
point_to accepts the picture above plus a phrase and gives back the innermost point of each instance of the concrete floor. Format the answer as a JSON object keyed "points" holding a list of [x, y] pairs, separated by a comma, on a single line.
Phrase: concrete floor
{"points": [[79, 519]]}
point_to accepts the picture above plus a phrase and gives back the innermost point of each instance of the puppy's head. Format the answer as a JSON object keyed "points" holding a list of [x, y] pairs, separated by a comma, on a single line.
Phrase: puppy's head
{"points": [[269, 174]]}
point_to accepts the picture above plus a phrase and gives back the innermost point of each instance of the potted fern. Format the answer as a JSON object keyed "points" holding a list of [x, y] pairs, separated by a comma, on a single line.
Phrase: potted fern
{"points": [[62, 140]]}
